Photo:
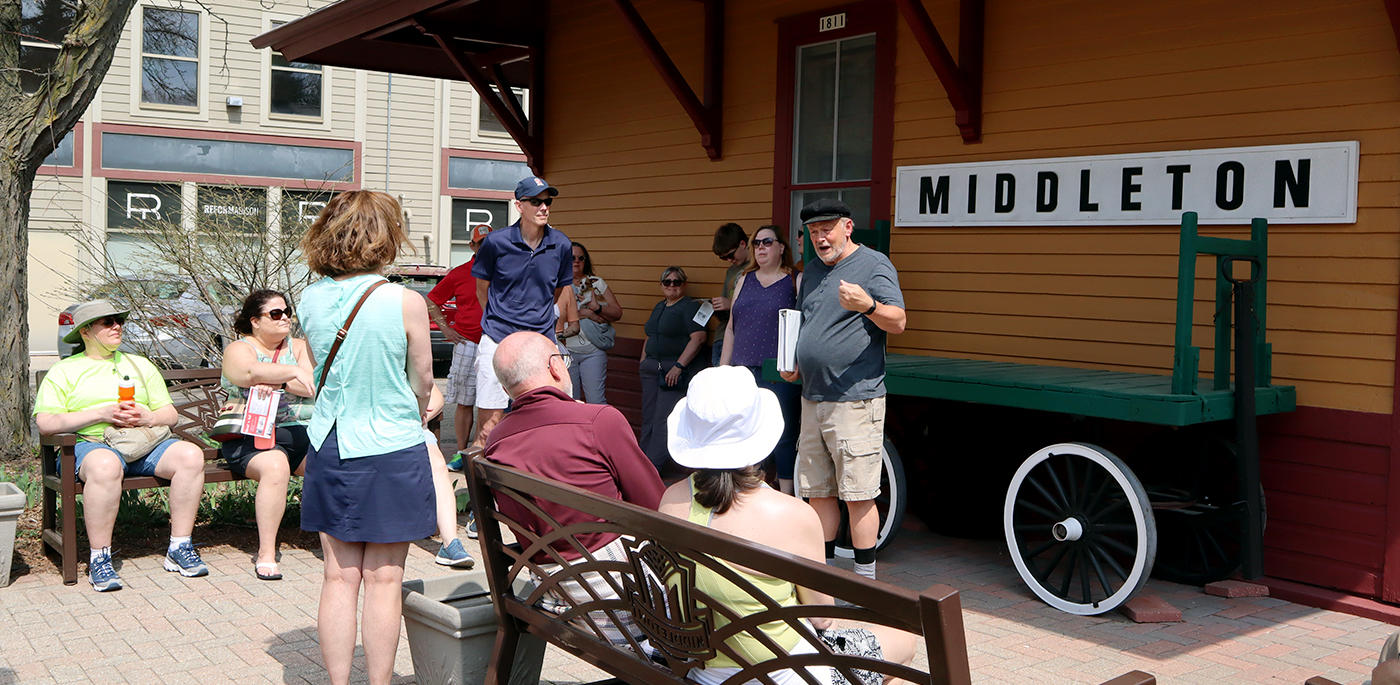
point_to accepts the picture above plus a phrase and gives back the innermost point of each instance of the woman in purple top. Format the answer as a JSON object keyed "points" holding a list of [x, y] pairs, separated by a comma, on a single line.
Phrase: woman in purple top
{"points": [[768, 284]]}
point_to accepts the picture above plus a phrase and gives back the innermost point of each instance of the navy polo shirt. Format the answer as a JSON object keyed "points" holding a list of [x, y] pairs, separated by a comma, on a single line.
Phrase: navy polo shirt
{"points": [[522, 281]]}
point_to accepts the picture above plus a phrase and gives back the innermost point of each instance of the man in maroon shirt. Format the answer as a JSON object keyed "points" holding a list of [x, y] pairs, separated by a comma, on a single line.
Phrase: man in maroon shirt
{"points": [[464, 334], [590, 446]]}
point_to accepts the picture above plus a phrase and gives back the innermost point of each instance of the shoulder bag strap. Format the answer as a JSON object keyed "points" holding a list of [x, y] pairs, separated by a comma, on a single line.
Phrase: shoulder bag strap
{"points": [[340, 336]]}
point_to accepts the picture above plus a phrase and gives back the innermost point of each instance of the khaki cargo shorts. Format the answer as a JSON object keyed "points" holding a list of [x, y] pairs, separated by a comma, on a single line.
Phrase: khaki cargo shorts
{"points": [[838, 450]]}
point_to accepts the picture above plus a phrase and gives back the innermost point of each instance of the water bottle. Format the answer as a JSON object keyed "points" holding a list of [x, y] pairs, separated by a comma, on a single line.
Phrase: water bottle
{"points": [[126, 389]]}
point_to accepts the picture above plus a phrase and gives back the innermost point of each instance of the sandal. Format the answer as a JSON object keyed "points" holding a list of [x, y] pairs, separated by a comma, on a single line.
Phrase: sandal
{"points": [[275, 573]]}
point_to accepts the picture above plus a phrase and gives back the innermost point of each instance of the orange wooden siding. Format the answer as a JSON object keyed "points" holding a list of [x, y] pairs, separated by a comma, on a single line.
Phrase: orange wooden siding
{"points": [[1061, 79]]}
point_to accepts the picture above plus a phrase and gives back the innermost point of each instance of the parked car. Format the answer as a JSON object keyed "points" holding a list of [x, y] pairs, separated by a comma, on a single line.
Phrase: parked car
{"points": [[422, 278], [185, 334]]}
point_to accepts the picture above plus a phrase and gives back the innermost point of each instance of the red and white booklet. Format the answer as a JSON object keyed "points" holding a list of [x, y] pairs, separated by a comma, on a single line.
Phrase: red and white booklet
{"points": [[259, 416]]}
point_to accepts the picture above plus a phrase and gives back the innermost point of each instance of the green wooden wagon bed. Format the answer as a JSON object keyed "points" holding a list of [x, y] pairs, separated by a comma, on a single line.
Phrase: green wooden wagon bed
{"points": [[1080, 526]]}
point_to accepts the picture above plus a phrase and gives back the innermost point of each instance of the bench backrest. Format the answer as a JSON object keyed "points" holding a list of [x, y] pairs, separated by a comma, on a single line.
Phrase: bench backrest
{"points": [[197, 395], [656, 584]]}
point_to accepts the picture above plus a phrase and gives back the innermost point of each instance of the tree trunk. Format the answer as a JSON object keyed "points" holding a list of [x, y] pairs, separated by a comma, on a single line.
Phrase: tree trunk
{"points": [[30, 128]]}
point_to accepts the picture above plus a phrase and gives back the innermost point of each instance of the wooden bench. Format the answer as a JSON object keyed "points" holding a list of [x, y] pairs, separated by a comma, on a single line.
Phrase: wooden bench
{"points": [[657, 587], [197, 396]]}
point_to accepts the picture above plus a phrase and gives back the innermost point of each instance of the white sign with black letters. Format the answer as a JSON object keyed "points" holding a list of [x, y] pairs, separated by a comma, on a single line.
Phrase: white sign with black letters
{"points": [[1312, 183]]}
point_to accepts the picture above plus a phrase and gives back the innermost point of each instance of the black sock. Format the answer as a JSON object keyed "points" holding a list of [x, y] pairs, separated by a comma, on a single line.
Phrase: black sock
{"points": [[830, 549], [865, 556]]}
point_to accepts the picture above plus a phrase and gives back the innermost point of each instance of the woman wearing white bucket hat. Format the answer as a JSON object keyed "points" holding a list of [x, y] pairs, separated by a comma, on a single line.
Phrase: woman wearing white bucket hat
{"points": [[725, 427]]}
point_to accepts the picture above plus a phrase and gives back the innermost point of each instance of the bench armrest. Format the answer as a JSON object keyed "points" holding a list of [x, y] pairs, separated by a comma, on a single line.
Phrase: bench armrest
{"points": [[59, 440], [63, 444]]}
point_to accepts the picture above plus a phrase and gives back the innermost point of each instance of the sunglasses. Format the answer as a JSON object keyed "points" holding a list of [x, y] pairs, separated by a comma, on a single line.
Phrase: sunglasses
{"points": [[277, 314], [672, 282], [110, 321], [535, 201], [568, 359], [764, 242], [729, 255], [578, 258]]}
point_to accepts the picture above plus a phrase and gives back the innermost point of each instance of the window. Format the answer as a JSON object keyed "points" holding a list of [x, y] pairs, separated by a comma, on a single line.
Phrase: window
{"points": [[468, 213], [301, 207], [43, 24], [227, 157], [486, 121], [294, 88], [485, 174], [169, 57], [837, 86], [132, 208]]}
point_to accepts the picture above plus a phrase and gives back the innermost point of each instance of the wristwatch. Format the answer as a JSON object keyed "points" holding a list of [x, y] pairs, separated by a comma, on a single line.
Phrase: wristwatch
{"points": [[873, 304]]}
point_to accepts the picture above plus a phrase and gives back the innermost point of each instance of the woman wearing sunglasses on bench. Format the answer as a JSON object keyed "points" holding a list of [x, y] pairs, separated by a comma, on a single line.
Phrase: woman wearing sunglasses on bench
{"points": [[268, 358]]}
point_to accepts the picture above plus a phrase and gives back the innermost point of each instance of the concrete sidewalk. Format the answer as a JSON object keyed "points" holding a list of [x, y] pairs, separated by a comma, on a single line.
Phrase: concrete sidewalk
{"points": [[231, 627]]}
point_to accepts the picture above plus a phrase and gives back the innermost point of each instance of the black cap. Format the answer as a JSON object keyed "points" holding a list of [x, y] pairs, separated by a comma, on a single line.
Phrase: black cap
{"points": [[825, 210]]}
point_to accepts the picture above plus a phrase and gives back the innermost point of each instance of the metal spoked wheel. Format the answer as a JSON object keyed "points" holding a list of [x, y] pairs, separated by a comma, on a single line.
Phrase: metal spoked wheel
{"points": [[1080, 528], [894, 497]]}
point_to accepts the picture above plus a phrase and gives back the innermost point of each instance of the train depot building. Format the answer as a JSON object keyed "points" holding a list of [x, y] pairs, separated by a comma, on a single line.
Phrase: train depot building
{"points": [[1027, 165]]}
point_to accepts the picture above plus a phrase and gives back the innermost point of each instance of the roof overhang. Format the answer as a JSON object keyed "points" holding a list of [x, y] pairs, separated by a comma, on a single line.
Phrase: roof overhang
{"points": [[385, 36]]}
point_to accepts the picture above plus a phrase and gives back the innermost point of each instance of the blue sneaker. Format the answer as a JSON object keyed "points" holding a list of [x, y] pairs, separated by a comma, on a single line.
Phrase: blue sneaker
{"points": [[455, 463], [185, 560], [471, 525], [102, 575], [455, 555]]}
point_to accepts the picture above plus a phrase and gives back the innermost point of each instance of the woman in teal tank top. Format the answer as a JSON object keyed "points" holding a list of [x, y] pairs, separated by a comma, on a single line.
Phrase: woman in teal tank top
{"points": [[725, 427], [368, 489], [268, 357]]}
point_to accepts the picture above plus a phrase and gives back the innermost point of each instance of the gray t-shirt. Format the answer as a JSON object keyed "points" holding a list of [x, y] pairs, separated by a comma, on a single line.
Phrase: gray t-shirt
{"points": [[841, 353]]}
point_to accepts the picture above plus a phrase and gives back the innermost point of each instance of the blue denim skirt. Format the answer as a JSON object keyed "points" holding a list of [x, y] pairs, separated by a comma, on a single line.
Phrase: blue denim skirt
{"points": [[384, 498]]}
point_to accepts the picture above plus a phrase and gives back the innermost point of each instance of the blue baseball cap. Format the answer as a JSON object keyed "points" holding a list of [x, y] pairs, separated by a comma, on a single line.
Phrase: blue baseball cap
{"points": [[531, 186]]}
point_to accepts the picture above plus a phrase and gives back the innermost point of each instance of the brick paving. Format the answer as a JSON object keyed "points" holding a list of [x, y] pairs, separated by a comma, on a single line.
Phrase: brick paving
{"points": [[230, 627]]}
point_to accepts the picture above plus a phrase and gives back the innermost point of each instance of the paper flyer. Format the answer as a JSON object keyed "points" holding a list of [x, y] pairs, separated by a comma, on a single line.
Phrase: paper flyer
{"points": [[707, 310], [259, 417], [789, 324]]}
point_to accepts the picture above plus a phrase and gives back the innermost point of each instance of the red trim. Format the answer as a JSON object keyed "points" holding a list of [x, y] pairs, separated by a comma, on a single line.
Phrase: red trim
{"points": [[961, 80], [1331, 600], [471, 193], [876, 16], [1390, 572], [77, 167], [220, 179]]}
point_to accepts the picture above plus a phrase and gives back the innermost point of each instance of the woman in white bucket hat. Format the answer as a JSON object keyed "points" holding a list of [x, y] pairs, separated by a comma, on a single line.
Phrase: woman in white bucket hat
{"points": [[724, 428]]}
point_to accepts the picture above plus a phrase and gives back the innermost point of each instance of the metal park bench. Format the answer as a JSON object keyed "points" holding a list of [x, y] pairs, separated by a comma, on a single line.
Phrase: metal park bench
{"points": [[197, 397], [656, 584], [1080, 526]]}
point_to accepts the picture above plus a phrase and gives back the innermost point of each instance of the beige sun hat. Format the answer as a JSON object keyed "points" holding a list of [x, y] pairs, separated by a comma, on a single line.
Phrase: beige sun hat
{"points": [[89, 312], [725, 421]]}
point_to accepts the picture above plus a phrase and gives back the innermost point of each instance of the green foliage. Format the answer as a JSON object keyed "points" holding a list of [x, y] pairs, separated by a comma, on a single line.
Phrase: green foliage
{"points": [[235, 504], [27, 478]]}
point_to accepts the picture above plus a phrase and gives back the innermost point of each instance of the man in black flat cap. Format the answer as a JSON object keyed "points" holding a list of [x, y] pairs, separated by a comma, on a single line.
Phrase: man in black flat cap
{"points": [[850, 302]]}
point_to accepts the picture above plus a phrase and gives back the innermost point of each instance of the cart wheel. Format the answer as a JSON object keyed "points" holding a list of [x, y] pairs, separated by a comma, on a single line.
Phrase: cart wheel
{"points": [[1080, 528], [1201, 543], [894, 497]]}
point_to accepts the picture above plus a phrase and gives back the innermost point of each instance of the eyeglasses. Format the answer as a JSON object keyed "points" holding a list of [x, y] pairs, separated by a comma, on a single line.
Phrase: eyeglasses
{"points": [[536, 201], [764, 242], [672, 282], [567, 358], [277, 314], [578, 258], [110, 321]]}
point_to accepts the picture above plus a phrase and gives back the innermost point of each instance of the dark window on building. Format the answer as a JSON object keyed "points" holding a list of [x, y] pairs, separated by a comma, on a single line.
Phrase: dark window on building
{"points": [[43, 24], [227, 157], [468, 213], [170, 57], [301, 207], [238, 210], [485, 174], [486, 120], [294, 87], [63, 154], [130, 206]]}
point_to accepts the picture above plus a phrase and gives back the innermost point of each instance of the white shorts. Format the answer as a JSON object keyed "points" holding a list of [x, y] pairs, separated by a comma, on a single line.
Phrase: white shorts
{"points": [[461, 380], [489, 393]]}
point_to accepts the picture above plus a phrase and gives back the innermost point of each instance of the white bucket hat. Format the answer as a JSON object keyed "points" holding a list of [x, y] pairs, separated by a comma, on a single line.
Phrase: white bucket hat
{"points": [[725, 421]]}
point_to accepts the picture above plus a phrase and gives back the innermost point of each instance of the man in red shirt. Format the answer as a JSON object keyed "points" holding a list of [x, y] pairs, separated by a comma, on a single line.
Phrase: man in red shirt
{"points": [[464, 334], [590, 446]]}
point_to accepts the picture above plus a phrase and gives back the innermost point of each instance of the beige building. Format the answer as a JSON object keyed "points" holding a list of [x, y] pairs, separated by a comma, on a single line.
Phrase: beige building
{"points": [[190, 108]]}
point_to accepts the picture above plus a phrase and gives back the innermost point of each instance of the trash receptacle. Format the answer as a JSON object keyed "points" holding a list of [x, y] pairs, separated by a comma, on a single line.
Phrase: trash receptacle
{"points": [[12, 502], [452, 628]]}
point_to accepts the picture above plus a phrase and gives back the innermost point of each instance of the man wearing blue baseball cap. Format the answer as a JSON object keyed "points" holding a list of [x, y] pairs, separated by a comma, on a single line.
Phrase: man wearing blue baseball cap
{"points": [[520, 270]]}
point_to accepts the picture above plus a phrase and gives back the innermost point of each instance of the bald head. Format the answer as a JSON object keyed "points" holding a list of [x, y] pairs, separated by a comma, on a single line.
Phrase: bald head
{"points": [[523, 362]]}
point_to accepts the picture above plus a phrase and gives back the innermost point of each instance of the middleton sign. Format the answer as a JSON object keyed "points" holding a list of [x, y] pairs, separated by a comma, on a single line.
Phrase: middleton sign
{"points": [[1313, 183]]}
